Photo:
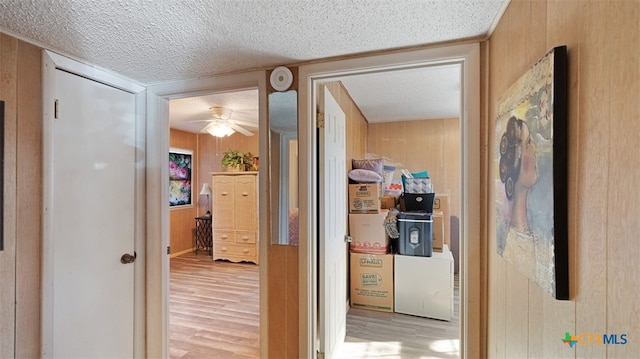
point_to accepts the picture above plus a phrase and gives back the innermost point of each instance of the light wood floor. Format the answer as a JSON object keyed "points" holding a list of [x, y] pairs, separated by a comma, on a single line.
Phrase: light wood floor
{"points": [[372, 334], [214, 313], [214, 309]]}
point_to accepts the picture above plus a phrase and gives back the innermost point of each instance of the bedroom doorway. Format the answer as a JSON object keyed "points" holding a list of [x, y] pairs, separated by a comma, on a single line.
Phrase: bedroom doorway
{"points": [[214, 283]]}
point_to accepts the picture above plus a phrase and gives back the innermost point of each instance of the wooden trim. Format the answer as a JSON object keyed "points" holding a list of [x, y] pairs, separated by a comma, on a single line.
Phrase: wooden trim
{"points": [[91, 72], [157, 146], [8, 93], [468, 56], [178, 254], [50, 63]]}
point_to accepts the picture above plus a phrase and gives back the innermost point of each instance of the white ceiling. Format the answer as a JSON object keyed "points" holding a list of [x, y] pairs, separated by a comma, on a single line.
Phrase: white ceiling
{"points": [[169, 40]]}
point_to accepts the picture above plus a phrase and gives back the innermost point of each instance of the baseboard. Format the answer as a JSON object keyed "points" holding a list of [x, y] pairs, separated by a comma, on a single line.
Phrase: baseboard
{"points": [[189, 250]]}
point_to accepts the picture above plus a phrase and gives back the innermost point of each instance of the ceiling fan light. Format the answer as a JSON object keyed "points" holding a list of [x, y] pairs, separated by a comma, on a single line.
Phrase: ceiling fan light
{"points": [[220, 113], [220, 130]]}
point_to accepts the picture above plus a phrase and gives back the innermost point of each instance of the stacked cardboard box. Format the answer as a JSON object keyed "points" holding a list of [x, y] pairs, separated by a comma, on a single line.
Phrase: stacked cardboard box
{"points": [[367, 232], [441, 222], [364, 197], [371, 264], [438, 231], [372, 281]]}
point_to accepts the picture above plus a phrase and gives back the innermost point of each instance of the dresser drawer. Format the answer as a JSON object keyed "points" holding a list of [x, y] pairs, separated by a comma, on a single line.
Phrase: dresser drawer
{"points": [[235, 251], [245, 237], [224, 236]]}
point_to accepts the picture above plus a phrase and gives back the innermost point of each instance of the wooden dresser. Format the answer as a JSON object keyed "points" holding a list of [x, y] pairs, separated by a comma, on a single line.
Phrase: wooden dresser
{"points": [[235, 216]]}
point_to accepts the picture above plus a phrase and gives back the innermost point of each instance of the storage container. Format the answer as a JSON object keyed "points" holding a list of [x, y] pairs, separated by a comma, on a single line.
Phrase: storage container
{"points": [[416, 231], [417, 202]]}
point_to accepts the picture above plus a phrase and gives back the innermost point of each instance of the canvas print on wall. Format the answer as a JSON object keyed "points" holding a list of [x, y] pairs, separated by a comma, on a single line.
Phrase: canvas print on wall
{"points": [[180, 192], [531, 175]]}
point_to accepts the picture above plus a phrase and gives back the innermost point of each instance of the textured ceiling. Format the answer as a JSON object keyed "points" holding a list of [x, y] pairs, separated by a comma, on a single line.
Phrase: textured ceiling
{"points": [[154, 41]]}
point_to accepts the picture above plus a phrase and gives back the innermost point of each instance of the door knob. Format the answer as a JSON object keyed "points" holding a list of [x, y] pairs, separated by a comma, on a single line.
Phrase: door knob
{"points": [[128, 258]]}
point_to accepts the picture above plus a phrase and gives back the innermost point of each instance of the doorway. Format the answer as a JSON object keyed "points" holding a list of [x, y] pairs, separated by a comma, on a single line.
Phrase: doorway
{"points": [[214, 292], [158, 97], [91, 182], [467, 56]]}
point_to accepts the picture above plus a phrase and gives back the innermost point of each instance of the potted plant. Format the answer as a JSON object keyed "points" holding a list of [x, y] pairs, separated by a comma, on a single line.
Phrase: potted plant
{"points": [[235, 160]]}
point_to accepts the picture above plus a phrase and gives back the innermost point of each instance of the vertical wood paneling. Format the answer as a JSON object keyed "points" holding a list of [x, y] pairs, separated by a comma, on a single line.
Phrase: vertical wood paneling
{"points": [[278, 320], [181, 219], [623, 281], [517, 326], [557, 318], [356, 126], [292, 298], [537, 24], [8, 83], [485, 192], [21, 89], [29, 191], [564, 27], [497, 81], [604, 78], [282, 279], [591, 259], [536, 326], [432, 145], [207, 154]]}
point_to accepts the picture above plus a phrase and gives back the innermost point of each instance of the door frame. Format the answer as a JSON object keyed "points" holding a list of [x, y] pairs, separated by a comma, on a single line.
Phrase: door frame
{"points": [[468, 56], [158, 96], [51, 62]]}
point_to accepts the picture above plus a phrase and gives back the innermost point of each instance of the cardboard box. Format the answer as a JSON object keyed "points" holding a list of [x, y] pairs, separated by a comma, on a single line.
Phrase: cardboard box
{"points": [[438, 231], [441, 203], [365, 197], [368, 234], [372, 281], [387, 202]]}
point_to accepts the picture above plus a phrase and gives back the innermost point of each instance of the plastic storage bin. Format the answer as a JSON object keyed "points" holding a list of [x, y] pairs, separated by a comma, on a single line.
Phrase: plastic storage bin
{"points": [[416, 234]]}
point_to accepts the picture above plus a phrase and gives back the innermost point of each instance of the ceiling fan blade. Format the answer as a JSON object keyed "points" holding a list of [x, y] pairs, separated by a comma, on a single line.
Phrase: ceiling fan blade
{"points": [[240, 129], [244, 123], [205, 129], [192, 121]]}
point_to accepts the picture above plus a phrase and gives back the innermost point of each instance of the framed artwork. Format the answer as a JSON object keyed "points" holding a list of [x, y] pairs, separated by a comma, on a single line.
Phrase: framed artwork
{"points": [[180, 170], [531, 174]]}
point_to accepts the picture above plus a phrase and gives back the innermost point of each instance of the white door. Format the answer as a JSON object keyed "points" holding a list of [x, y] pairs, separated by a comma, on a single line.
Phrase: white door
{"points": [[332, 229], [92, 215]]}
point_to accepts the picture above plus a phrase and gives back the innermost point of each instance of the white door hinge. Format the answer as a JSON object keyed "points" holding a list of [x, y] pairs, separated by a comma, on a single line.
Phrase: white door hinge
{"points": [[319, 355], [348, 239], [320, 120]]}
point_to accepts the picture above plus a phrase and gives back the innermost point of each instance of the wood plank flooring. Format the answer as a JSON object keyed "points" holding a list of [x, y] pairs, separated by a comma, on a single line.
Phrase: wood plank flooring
{"points": [[214, 313], [372, 334], [214, 309]]}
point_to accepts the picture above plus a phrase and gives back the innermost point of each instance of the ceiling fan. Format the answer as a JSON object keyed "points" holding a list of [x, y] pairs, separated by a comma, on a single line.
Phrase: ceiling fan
{"points": [[221, 125]]}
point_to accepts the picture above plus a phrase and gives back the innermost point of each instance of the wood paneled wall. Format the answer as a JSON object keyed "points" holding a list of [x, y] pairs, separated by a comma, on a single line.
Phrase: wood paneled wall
{"points": [[181, 218], [357, 125], [207, 155], [432, 145], [283, 260], [603, 43], [21, 90]]}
